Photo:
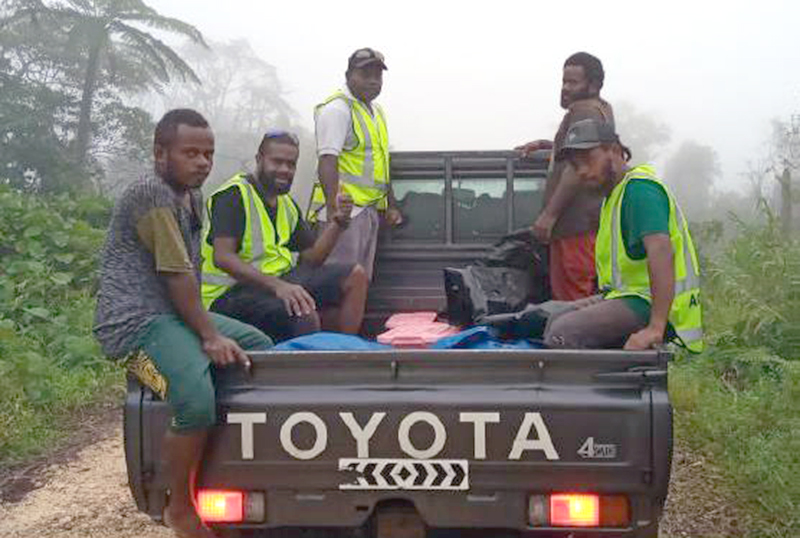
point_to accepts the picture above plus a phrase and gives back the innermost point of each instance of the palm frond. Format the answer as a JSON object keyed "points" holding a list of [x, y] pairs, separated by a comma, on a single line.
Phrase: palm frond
{"points": [[157, 49], [152, 19]]}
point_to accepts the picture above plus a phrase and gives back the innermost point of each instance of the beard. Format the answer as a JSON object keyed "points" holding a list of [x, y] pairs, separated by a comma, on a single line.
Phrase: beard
{"points": [[568, 98], [268, 181], [170, 176]]}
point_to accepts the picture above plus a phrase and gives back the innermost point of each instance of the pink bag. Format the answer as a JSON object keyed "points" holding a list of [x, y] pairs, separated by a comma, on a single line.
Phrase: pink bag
{"points": [[415, 330]]}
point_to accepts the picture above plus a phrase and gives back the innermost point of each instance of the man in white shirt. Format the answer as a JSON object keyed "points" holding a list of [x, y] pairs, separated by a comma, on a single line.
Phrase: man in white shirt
{"points": [[353, 151]]}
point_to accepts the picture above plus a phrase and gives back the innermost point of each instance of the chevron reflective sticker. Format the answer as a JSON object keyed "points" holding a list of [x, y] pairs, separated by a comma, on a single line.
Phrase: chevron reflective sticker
{"points": [[391, 474]]}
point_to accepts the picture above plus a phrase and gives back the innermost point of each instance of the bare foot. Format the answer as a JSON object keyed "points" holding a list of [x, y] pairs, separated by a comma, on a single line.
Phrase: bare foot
{"points": [[186, 524]]}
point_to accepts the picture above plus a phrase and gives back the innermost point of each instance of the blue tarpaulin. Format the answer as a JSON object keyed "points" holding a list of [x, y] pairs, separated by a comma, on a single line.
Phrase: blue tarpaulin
{"points": [[475, 338], [328, 341], [482, 337]]}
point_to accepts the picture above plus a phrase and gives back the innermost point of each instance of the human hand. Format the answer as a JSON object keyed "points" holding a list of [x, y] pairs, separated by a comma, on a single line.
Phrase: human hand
{"points": [[543, 227], [394, 217], [223, 351], [297, 300], [527, 149], [647, 338], [344, 209]]}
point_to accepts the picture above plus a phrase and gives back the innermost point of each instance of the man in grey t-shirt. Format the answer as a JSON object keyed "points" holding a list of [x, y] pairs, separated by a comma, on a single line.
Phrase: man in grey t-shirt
{"points": [[149, 310]]}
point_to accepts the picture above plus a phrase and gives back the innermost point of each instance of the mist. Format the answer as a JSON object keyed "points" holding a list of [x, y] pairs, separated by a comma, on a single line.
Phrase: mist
{"points": [[476, 75]]}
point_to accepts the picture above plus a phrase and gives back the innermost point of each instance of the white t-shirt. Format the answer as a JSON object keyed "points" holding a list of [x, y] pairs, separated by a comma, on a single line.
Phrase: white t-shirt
{"points": [[333, 124]]}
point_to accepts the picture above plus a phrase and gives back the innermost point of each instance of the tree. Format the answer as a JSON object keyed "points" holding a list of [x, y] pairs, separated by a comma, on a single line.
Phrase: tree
{"points": [[111, 48], [690, 173], [641, 132], [242, 97], [785, 165]]}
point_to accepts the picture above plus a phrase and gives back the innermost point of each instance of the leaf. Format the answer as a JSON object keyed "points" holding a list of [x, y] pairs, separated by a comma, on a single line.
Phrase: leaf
{"points": [[32, 231], [66, 259], [7, 328], [62, 279], [39, 312], [60, 239], [35, 268]]}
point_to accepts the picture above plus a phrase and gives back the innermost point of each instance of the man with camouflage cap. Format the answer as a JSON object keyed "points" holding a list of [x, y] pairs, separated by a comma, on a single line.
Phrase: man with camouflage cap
{"points": [[646, 262]]}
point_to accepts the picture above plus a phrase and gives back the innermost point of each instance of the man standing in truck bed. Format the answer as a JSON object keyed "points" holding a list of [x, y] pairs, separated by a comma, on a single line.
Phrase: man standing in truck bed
{"points": [[353, 150], [569, 218], [149, 312], [646, 262]]}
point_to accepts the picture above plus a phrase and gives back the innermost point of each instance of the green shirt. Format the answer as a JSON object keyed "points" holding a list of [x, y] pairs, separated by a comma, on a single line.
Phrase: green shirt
{"points": [[645, 211]]}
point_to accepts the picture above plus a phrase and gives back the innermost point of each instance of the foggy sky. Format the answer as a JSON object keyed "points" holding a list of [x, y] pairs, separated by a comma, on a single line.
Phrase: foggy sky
{"points": [[486, 75]]}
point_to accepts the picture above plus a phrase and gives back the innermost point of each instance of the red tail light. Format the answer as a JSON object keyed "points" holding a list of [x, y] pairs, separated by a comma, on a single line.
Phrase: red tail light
{"points": [[215, 506], [574, 510]]}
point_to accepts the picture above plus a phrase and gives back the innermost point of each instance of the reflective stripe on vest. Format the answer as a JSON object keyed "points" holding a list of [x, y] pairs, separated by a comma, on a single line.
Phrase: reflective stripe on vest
{"points": [[258, 247], [624, 276], [364, 169]]}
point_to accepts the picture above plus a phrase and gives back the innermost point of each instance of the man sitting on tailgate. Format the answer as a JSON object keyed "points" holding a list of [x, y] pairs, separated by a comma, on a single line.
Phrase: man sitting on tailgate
{"points": [[261, 263]]}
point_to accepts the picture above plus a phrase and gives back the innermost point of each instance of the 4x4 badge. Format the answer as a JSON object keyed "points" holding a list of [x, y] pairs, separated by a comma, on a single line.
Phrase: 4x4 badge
{"points": [[591, 450]]}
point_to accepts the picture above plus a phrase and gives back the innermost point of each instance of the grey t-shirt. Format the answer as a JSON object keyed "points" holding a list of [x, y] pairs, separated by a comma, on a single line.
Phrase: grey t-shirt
{"points": [[582, 214], [152, 231]]}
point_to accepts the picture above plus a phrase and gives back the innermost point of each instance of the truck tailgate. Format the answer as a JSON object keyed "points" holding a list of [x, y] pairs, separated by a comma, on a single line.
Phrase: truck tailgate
{"points": [[327, 435]]}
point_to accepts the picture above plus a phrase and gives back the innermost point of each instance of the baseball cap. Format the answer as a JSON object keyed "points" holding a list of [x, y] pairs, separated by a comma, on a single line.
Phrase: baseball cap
{"points": [[364, 57], [587, 134]]}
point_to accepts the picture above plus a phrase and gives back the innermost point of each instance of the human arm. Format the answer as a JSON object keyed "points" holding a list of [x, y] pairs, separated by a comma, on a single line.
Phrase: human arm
{"points": [[662, 290], [562, 189], [332, 124], [297, 300], [158, 231], [184, 293], [316, 253], [563, 194], [531, 147], [328, 170], [227, 230], [393, 215]]}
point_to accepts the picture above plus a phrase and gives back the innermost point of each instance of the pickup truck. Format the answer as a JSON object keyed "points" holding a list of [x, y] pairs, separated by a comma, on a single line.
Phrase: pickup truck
{"points": [[396, 443]]}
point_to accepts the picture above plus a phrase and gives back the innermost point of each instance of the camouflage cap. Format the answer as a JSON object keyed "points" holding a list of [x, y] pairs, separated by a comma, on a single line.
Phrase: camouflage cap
{"points": [[364, 57], [587, 134]]}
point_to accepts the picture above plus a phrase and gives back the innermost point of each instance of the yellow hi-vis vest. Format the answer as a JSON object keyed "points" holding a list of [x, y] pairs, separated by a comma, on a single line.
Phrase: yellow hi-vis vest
{"points": [[261, 247], [624, 276], [363, 170]]}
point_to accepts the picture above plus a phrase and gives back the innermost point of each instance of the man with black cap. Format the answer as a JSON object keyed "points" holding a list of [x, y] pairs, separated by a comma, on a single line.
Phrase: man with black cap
{"points": [[646, 262], [353, 151]]}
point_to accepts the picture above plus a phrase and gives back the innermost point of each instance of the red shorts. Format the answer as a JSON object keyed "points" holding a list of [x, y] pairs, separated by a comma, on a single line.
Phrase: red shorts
{"points": [[572, 272]]}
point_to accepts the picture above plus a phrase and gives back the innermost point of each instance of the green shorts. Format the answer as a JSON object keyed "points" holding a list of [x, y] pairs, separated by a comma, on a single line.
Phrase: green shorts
{"points": [[169, 358]]}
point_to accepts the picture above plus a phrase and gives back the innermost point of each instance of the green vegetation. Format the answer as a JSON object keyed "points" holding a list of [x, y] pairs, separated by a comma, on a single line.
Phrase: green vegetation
{"points": [[739, 403], [49, 363]]}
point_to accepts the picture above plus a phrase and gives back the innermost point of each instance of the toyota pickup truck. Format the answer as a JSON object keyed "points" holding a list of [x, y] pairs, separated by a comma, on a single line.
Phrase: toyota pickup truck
{"points": [[396, 443]]}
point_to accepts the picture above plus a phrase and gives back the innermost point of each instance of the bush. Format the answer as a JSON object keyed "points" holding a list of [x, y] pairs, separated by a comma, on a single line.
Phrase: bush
{"points": [[752, 291], [49, 361], [739, 403]]}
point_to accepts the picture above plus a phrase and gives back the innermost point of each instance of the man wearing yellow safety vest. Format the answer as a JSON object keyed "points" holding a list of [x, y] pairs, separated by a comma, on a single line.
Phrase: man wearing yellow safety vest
{"points": [[353, 150], [261, 262], [646, 262]]}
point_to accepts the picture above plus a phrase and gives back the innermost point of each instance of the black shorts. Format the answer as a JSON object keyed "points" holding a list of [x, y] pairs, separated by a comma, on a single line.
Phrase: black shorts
{"points": [[263, 310]]}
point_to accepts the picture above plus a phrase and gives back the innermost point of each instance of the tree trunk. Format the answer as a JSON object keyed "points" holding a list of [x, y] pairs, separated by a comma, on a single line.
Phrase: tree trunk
{"points": [[87, 99], [786, 202]]}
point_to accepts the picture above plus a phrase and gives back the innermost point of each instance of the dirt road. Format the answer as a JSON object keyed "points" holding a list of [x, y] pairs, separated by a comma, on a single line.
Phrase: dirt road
{"points": [[88, 497]]}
